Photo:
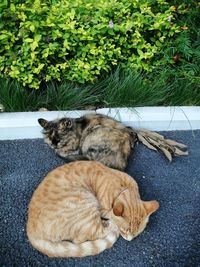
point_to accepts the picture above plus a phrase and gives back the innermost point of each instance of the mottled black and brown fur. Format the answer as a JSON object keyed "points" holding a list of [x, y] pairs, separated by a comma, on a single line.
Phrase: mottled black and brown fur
{"points": [[102, 138], [91, 137]]}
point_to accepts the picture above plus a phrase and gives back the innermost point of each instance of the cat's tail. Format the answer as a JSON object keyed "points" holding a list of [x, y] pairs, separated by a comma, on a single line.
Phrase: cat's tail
{"points": [[157, 141], [68, 249]]}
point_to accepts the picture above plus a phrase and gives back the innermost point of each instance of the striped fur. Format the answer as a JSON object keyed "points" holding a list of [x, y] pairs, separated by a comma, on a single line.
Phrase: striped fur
{"points": [[80, 208]]}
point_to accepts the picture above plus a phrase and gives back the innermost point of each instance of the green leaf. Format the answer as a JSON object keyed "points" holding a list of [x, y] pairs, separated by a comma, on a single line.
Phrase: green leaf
{"points": [[28, 40], [12, 7], [3, 36], [33, 45], [37, 37], [32, 28]]}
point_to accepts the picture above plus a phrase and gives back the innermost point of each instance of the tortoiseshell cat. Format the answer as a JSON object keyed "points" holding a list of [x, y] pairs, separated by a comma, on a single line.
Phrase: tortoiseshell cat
{"points": [[101, 138], [81, 208]]}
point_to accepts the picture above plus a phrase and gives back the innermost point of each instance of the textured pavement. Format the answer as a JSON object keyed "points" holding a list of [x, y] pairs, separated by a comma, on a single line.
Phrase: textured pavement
{"points": [[172, 237]]}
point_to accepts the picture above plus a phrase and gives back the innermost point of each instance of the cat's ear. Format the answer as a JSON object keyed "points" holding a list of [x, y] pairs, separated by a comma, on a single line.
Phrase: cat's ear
{"points": [[118, 208], [151, 206], [43, 122]]}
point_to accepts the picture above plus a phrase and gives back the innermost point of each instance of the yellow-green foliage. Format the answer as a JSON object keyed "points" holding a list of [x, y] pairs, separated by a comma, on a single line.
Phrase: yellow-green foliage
{"points": [[80, 39]]}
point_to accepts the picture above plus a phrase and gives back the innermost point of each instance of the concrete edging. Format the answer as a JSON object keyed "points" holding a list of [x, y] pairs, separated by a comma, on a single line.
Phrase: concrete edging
{"points": [[24, 125]]}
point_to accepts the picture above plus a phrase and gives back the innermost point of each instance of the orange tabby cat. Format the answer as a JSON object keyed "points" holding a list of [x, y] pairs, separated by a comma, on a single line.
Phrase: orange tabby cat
{"points": [[80, 208]]}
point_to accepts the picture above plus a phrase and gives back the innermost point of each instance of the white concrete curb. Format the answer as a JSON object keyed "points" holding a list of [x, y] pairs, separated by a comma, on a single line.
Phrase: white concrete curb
{"points": [[24, 125]]}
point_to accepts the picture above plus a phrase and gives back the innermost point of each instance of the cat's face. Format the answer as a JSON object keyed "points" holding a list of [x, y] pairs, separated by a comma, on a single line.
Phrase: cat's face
{"points": [[54, 131], [131, 214]]}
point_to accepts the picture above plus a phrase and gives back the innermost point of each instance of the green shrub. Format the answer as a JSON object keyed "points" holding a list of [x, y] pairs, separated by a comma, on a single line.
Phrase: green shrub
{"points": [[80, 40]]}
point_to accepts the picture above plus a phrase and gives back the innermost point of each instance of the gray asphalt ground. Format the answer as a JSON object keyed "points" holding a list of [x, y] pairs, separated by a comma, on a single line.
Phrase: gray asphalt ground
{"points": [[172, 237]]}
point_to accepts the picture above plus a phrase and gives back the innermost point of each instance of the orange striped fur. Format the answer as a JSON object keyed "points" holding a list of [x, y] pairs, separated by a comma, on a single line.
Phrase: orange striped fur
{"points": [[81, 208]]}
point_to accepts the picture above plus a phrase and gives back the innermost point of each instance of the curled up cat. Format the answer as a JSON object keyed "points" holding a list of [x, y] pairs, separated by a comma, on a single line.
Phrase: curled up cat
{"points": [[82, 207], [102, 138]]}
